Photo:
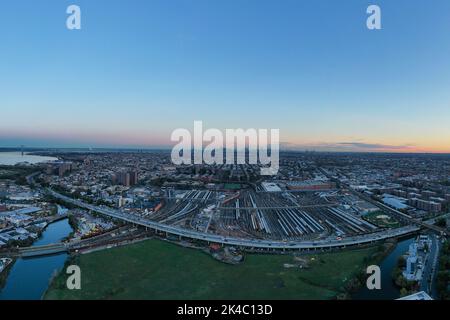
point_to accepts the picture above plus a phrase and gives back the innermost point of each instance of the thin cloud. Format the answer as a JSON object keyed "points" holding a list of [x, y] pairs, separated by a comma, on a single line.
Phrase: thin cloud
{"points": [[347, 146], [374, 146]]}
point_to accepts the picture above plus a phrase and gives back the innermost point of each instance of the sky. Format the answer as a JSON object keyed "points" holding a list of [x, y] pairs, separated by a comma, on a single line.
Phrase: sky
{"points": [[139, 69]]}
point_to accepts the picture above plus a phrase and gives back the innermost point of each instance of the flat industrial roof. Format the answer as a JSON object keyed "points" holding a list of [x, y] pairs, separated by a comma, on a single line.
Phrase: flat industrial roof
{"points": [[422, 295]]}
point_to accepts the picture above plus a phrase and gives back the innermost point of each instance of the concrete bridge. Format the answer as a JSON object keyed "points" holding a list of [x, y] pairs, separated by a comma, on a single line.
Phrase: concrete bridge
{"points": [[253, 244], [45, 250]]}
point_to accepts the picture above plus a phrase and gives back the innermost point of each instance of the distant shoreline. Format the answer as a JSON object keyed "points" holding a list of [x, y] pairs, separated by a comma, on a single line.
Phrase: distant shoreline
{"points": [[32, 150]]}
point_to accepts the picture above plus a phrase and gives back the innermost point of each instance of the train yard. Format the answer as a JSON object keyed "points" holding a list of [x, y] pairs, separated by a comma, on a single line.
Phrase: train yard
{"points": [[285, 216]]}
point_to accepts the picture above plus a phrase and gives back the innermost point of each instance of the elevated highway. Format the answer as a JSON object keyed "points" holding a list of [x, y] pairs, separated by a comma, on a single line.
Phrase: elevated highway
{"points": [[240, 242]]}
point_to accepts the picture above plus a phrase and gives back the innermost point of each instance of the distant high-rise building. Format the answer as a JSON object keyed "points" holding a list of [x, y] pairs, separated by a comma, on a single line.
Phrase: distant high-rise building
{"points": [[63, 168], [134, 179], [59, 167], [425, 205], [123, 178], [121, 202], [126, 178]]}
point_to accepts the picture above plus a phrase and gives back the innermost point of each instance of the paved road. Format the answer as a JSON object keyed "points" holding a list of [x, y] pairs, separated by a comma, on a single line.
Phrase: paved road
{"points": [[240, 242], [430, 267]]}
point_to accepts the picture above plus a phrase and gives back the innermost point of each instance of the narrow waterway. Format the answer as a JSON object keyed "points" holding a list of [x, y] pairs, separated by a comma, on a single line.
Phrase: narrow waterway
{"points": [[29, 278], [388, 289]]}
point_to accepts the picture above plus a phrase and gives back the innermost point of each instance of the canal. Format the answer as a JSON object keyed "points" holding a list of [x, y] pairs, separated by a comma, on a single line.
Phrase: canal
{"points": [[388, 289], [29, 278]]}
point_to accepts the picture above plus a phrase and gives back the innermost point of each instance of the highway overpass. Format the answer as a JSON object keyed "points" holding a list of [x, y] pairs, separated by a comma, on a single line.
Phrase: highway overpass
{"points": [[241, 242]]}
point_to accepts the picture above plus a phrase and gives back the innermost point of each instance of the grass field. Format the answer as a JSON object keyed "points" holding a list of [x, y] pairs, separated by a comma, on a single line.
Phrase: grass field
{"points": [[382, 220], [156, 269]]}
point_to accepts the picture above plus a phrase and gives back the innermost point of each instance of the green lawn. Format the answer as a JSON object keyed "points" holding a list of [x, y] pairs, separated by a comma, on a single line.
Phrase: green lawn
{"points": [[156, 269], [382, 220]]}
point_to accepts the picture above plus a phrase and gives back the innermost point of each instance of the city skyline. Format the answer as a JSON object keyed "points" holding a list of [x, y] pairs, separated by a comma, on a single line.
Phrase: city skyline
{"points": [[224, 156], [134, 73]]}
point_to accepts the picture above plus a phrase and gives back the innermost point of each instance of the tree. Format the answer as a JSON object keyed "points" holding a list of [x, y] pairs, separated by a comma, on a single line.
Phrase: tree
{"points": [[401, 263], [403, 292], [441, 222]]}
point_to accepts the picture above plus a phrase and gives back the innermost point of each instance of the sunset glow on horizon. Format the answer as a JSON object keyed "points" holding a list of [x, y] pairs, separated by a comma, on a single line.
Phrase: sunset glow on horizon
{"points": [[312, 69]]}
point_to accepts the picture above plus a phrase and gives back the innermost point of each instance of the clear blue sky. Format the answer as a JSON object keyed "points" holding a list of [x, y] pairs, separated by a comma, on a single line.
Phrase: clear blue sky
{"points": [[138, 69]]}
